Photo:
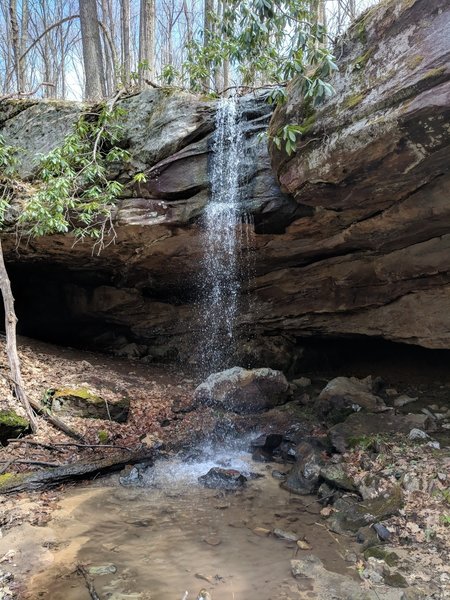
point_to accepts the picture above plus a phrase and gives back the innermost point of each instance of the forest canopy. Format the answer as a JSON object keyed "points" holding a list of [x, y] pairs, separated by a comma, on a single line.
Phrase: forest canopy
{"points": [[88, 49]]}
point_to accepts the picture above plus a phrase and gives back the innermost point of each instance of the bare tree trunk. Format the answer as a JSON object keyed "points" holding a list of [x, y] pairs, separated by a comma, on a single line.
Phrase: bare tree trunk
{"points": [[92, 51], [188, 20], [15, 39], [126, 57], [147, 41], [11, 343], [23, 44], [226, 62], [207, 34]]}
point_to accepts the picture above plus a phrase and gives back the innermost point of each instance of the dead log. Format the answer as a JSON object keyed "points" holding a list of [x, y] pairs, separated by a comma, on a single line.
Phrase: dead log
{"points": [[37, 480]]}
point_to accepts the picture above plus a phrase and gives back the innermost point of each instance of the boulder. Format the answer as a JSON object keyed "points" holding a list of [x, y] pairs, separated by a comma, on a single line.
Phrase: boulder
{"points": [[82, 402], [360, 427], [244, 391], [345, 395], [334, 475], [12, 425]]}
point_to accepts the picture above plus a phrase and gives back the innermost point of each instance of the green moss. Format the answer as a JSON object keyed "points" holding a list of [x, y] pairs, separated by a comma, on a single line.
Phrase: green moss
{"points": [[361, 31], [432, 73], [103, 436], [414, 61], [82, 393], [389, 557], [354, 100], [6, 477], [361, 61], [8, 418]]}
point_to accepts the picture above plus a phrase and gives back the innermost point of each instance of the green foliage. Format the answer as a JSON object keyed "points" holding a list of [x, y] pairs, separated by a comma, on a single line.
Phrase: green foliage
{"points": [[75, 192], [271, 41], [8, 164], [169, 74]]}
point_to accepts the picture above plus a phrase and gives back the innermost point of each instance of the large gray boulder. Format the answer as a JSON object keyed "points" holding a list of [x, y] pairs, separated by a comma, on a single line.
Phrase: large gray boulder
{"points": [[244, 391]]}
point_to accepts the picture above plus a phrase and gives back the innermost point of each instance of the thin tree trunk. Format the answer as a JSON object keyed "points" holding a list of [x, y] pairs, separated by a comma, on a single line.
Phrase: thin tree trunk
{"points": [[226, 62], [23, 45], [126, 57], [147, 41], [207, 34], [11, 343], [92, 51], [15, 39]]}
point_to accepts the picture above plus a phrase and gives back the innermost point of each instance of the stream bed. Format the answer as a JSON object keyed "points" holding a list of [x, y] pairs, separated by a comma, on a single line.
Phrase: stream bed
{"points": [[173, 535]]}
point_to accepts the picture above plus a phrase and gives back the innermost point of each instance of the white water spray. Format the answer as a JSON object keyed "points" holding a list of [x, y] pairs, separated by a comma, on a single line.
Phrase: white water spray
{"points": [[221, 277]]}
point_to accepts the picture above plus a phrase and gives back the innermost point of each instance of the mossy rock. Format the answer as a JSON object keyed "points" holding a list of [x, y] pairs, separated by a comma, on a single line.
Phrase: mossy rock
{"points": [[351, 515], [12, 425], [82, 402], [389, 557]]}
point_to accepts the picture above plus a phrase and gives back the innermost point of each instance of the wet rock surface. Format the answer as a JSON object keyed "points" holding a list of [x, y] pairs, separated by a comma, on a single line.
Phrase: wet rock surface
{"points": [[223, 479]]}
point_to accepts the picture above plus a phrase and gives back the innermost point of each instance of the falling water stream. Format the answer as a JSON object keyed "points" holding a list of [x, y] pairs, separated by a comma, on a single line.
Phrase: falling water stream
{"points": [[221, 274]]}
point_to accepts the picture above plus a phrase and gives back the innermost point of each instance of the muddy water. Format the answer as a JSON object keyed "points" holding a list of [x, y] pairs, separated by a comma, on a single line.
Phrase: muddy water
{"points": [[174, 536]]}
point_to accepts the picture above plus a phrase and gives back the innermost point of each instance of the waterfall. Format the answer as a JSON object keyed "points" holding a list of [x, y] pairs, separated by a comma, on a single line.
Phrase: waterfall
{"points": [[222, 241]]}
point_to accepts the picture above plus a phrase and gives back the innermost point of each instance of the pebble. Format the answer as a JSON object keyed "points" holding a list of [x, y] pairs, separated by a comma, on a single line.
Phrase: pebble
{"points": [[261, 531], [418, 434], [403, 401], [285, 535], [303, 545], [101, 569]]}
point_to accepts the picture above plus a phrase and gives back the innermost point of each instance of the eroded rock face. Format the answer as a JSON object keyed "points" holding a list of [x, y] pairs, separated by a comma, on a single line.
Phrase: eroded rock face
{"points": [[355, 243], [373, 170]]}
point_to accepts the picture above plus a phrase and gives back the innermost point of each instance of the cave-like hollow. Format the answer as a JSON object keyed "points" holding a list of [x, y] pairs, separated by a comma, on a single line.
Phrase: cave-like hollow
{"points": [[52, 305]]}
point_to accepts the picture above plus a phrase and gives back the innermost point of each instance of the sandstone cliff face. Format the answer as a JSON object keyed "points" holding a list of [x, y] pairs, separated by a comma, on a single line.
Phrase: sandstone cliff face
{"points": [[357, 243], [372, 257]]}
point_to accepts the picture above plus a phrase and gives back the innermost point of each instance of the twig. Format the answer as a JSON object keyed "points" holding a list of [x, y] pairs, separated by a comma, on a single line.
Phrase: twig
{"points": [[36, 444], [90, 586], [6, 467], [95, 446]]}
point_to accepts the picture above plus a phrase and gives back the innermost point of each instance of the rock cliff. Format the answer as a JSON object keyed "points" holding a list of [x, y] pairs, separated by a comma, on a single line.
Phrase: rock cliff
{"points": [[373, 169], [356, 243]]}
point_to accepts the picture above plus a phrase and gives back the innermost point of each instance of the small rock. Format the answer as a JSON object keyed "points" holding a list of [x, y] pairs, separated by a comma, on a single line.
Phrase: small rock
{"points": [[418, 434], [278, 475], [261, 531], [101, 569], [335, 475], [208, 578], [433, 444], [131, 476], [394, 579], [212, 540], [383, 533], [303, 545], [403, 401], [224, 479], [442, 477], [285, 535]]}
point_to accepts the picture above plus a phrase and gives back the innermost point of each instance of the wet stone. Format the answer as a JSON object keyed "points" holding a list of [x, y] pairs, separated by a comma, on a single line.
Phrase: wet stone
{"points": [[224, 479]]}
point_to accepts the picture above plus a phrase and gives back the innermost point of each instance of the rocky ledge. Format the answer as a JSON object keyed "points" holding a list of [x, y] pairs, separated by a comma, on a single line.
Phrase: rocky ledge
{"points": [[355, 244]]}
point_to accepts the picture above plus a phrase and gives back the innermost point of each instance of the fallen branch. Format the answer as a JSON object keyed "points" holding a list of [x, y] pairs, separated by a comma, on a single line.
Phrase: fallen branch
{"points": [[74, 471], [6, 467], [90, 586], [44, 412], [40, 463], [57, 447]]}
